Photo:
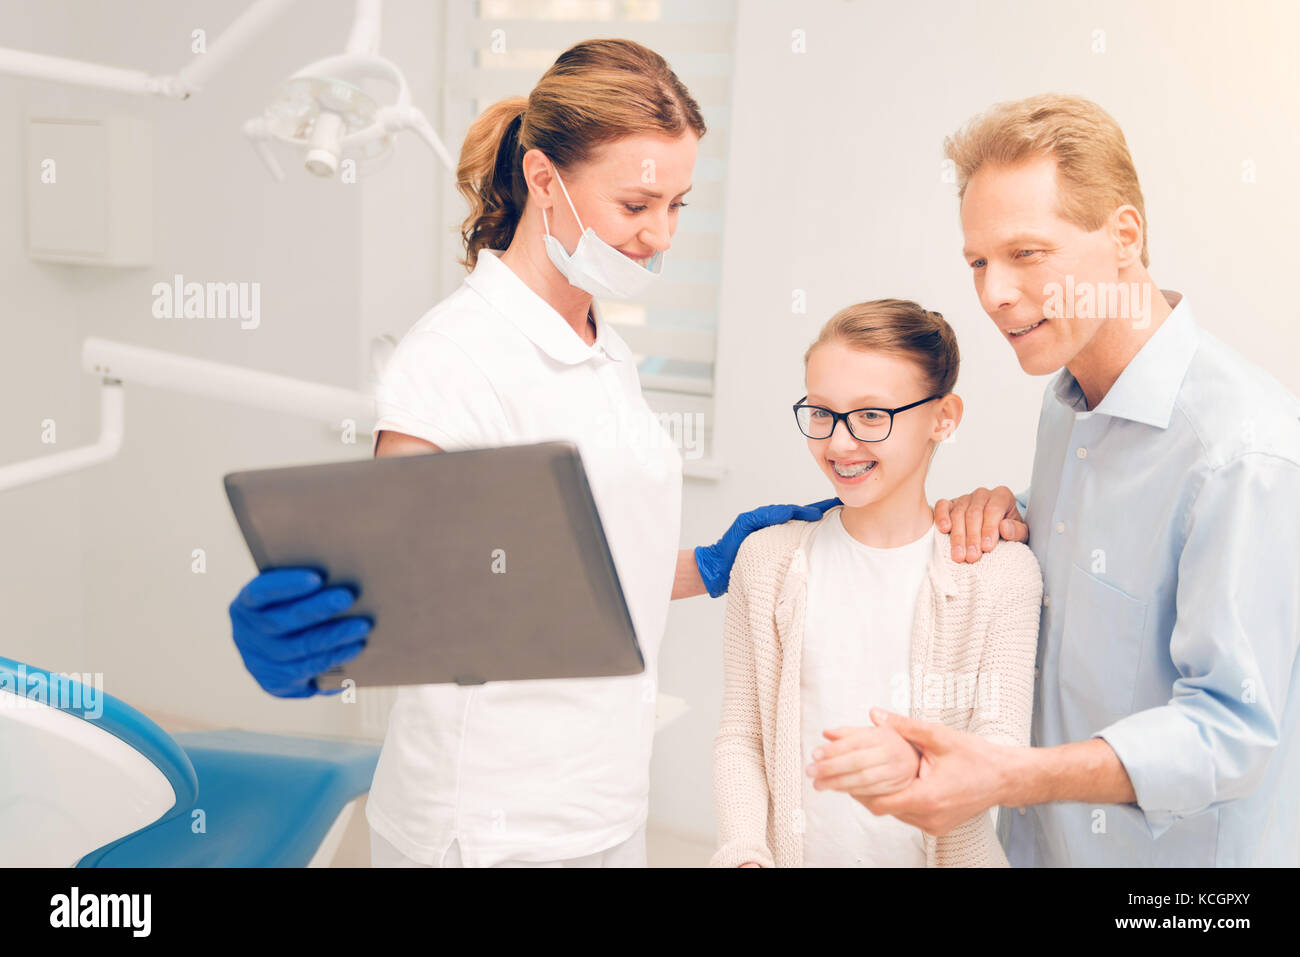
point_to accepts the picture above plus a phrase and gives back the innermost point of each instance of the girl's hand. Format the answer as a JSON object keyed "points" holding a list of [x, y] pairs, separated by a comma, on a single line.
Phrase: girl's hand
{"points": [[864, 762]]}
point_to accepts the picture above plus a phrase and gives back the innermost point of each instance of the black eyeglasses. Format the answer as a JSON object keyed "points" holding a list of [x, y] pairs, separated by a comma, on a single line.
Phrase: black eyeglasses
{"points": [[865, 425]]}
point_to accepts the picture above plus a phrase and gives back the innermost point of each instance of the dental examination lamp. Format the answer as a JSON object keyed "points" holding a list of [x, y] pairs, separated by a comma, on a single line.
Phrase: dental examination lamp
{"points": [[324, 110]]}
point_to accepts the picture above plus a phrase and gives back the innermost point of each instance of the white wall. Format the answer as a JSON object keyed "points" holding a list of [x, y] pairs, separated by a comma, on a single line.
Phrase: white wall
{"points": [[834, 188]]}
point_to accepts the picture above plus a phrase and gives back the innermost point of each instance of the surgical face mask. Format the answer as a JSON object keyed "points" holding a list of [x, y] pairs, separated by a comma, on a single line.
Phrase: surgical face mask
{"points": [[598, 267]]}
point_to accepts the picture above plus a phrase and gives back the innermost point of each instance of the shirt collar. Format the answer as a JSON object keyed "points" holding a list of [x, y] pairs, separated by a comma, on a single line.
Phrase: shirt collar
{"points": [[535, 318], [1148, 387]]}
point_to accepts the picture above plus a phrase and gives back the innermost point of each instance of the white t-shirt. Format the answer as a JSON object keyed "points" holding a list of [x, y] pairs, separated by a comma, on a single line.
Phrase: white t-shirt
{"points": [[547, 769], [857, 640]]}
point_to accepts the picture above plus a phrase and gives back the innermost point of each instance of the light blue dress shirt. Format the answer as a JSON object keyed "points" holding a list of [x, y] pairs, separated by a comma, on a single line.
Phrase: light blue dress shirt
{"points": [[1167, 524]]}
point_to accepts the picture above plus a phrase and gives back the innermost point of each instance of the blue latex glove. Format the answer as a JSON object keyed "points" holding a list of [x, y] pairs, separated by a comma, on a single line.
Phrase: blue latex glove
{"points": [[286, 631], [715, 561]]}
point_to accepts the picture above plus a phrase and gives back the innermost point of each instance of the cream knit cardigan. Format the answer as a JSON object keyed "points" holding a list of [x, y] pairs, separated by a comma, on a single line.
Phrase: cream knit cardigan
{"points": [[974, 624]]}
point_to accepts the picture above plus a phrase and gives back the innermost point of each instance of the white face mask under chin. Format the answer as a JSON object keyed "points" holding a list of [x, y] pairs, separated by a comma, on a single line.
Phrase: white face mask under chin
{"points": [[596, 266]]}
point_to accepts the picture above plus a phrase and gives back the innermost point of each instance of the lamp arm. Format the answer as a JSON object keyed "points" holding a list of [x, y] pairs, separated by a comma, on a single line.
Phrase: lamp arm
{"points": [[413, 118], [253, 21], [116, 362]]}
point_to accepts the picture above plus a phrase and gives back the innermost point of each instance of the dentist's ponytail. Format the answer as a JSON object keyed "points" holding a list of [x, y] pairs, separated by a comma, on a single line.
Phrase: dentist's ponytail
{"points": [[486, 177], [596, 92]]}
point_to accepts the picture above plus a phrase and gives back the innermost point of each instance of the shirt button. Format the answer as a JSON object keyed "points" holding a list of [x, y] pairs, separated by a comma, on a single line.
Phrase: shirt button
{"points": [[1047, 599], [1081, 452], [1060, 526]]}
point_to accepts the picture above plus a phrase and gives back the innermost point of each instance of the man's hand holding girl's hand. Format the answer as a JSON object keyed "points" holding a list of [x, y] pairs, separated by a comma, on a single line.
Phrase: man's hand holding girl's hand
{"points": [[865, 762]]}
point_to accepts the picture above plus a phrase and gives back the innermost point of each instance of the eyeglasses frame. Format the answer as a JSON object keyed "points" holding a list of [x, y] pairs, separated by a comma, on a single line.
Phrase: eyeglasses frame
{"points": [[844, 416]]}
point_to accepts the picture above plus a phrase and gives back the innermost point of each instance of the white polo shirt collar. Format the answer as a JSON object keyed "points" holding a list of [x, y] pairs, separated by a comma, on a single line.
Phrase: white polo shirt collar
{"points": [[536, 318]]}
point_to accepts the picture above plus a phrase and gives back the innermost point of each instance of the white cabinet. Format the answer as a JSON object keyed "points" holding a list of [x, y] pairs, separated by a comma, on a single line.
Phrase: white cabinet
{"points": [[89, 186]]}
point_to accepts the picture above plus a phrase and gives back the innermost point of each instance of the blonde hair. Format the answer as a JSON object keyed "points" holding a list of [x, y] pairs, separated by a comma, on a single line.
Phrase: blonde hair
{"points": [[597, 91], [898, 327], [1095, 172]]}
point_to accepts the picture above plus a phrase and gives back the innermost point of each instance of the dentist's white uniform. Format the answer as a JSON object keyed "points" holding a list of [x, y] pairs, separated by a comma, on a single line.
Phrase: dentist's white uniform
{"points": [[531, 771]]}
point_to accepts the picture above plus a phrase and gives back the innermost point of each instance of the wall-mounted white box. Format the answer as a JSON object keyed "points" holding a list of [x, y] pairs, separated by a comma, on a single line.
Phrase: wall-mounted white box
{"points": [[90, 190]]}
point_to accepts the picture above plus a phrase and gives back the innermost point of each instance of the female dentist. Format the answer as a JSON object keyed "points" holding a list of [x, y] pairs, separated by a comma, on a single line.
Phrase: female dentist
{"points": [[574, 193]]}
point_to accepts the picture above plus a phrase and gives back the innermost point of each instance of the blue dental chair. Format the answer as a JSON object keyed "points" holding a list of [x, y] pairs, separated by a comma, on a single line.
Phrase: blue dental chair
{"points": [[88, 781]]}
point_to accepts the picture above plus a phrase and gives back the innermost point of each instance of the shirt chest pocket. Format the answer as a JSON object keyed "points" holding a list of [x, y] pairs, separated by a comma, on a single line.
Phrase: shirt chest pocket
{"points": [[1101, 646]]}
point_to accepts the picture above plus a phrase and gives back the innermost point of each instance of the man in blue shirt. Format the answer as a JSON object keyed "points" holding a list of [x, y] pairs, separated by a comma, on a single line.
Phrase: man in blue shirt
{"points": [[1164, 510]]}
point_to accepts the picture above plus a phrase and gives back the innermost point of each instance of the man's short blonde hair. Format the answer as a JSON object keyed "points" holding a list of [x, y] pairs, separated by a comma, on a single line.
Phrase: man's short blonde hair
{"points": [[1094, 170]]}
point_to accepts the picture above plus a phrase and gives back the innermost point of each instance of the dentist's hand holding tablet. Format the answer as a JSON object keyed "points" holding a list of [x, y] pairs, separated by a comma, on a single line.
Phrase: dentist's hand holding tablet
{"points": [[287, 628]]}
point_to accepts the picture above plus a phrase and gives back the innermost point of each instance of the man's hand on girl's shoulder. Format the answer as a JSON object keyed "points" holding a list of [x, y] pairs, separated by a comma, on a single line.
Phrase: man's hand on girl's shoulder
{"points": [[975, 523]]}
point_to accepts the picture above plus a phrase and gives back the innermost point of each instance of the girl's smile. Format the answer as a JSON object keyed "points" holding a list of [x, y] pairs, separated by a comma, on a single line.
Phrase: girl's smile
{"points": [[852, 473]]}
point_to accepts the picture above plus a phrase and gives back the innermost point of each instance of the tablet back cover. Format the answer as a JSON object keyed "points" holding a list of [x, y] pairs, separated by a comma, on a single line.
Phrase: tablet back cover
{"points": [[479, 565]]}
